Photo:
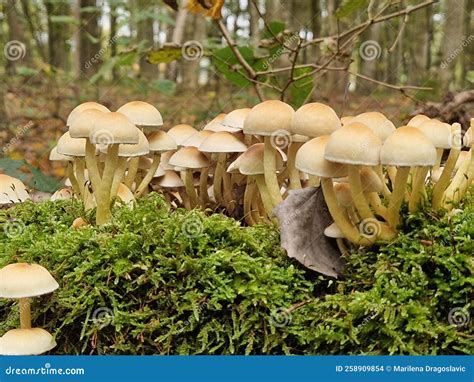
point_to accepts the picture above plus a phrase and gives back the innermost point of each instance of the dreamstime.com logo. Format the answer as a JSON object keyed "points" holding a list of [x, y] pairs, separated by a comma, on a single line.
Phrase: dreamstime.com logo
{"points": [[44, 370], [370, 50], [459, 317], [280, 139], [456, 52], [14, 50], [192, 50], [20, 133], [280, 317], [291, 42], [95, 59], [102, 317], [13, 228], [192, 227]]}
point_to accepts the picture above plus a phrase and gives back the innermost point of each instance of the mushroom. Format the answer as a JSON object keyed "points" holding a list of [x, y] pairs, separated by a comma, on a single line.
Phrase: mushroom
{"points": [[310, 120], [189, 158], [64, 193], [32, 341], [269, 119], [417, 120], [116, 129], [214, 124], [405, 147], [171, 181], [22, 281], [12, 190], [83, 107], [180, 133], [75, 148], [334, 232], [222, 143]]}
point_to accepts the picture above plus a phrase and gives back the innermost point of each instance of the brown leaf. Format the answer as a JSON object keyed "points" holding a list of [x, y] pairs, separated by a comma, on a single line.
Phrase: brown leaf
{"points": [[303, 216]]}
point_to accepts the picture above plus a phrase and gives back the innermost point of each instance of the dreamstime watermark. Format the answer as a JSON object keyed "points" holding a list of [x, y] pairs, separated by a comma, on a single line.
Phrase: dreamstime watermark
{"points": [[103, 316], [370, 228], [199, 309], [369, 318], [14, 50], [192, 227], [192, 50], [280, 317], [370, 50], [102, 138], [280, 139], [95, 59], [13, 228], [456, 52], [293, 41], [45, 370], [20, 133], [459, 317]]}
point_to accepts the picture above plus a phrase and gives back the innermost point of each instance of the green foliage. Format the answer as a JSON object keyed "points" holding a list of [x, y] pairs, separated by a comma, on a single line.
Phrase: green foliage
{"points": [[37, 180], [349, 7], [180, 282], [166, 87]]}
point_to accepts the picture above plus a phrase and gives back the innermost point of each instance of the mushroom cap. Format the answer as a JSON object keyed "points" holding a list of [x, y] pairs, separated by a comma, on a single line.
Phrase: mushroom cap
{"points": [[83, 123], [25, 280], [417, 120], [170, 180], [268, 117], [124, 194], [346, 120], [84, 106], [371, 182], [64, 193], [407, 146], [142, 114], [298, 138], [251, 161], [310, 159], [343, 194], [215, 123], [377, 122], [55, 156], [189, 157], [31, 341], [114, 128], [160, 141], [144, 163], [468, 139], [355, 144], [222, 142], [165, 158], [439, 133], [75, 147], [235, 119], [333, 231], [12, 190], [196, 139], [463, 155], [141, 148], [180, 133], [234, 166], [160, 171], [314, 120]]}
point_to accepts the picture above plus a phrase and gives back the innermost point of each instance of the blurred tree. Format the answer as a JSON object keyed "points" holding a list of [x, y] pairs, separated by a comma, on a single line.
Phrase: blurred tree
{"points": [[145, 35], [59, 21], [89, 37]]}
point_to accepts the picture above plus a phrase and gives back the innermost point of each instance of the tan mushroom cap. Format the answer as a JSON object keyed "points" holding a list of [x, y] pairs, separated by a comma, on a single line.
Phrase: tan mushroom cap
{"points": [[333, 231], [12, 190], [468, 139], [314, 120], [439, 133], [160, 141], [463, 155], [251, 161], [235, 119], [84, 106], [160, 171], [354, 144], [125, 195], [297, 138], [165, 158], [407, 146], [180, 133], [25, 280], [268, 117], [346, 120], [83, 123], [75, 147], [64, 193], [142, 114], [31, 341], [377, 122], [215, 124], [55, 156], [417, 120], [222, 142], [114, 128], [141, 148], [189, 157], [170, 180], [343, 194], [310, 159], [233, 168], [196, 139]]}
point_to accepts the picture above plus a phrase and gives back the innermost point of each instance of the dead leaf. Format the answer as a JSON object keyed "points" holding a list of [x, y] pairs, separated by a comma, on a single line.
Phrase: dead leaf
{"points": [[303, 216]]}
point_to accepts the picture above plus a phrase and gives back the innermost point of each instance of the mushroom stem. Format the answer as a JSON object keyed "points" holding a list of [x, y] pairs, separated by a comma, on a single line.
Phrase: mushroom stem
{"points": [[218, 177], [149, 175], [357, 193], [118, 176], [376, 203], [190, 190], [314, 181], [264, 194], [269, 166], [248, 197], [443, 181], [392, 174], [203, 195], [72, 178], [379, 171], [25, 313], [229, 198], [398, 195], [417, 189], [184, 198], [92, 167], [460, 182], [132, 171], [340, 218], [294, 174], [439, 156], [80, 173], [103, 197]]}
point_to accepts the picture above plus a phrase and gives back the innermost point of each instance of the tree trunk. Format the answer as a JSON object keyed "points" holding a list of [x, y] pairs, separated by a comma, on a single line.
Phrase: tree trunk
{"points": [[16, 48], [113, 33], [195, 30], [89, 38], [58, 34], [177, 38], [254, 25], [145, 34]]}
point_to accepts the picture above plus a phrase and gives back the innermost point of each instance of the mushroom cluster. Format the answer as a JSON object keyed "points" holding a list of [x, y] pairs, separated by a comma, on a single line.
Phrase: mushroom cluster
{"points": [[22, 281], [245, 162]]}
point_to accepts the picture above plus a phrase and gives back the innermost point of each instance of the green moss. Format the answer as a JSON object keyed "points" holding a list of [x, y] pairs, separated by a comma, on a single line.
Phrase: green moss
{"points": [[179, 282]]}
